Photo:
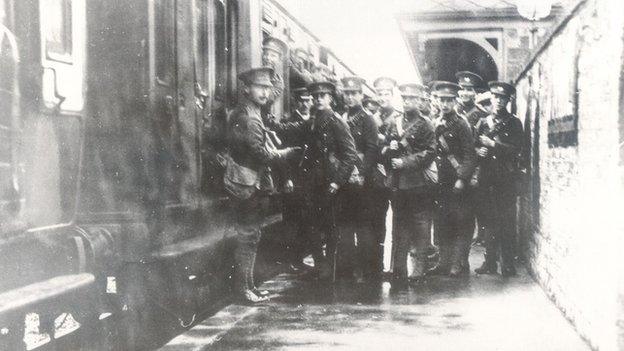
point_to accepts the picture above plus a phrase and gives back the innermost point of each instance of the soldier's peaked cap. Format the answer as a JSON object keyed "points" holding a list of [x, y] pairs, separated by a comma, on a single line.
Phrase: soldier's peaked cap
{"points": [[413, 89], [468, 79], [301, 93], [352, 83], [502, 88], [446, 89], [275, 44], [384, 83], [431, 85], [321, 87], [257, 76]]}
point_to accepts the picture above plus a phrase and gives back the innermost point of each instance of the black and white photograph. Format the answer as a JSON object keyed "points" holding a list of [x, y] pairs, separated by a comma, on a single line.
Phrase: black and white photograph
{"points": [[294, 175]]}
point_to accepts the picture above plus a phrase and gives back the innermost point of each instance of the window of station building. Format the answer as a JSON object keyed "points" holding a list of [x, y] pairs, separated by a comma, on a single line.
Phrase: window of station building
{"points": [[58, 29], [164, 31]]}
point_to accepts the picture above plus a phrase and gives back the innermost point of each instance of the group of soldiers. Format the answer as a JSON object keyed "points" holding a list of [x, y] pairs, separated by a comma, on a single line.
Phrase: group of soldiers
{"points": [[444, 161]]}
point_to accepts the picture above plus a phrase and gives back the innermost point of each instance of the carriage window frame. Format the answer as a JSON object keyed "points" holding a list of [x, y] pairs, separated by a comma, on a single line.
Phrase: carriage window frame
{"points": [[62, 50], [165, 42]]}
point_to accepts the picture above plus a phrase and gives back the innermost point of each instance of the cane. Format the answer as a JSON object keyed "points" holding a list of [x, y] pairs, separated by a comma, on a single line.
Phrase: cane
{"points": [[336, 232]]}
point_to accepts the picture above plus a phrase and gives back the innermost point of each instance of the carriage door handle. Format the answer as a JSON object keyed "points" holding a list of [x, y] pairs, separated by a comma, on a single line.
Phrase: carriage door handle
{"points": [[169, 105]]}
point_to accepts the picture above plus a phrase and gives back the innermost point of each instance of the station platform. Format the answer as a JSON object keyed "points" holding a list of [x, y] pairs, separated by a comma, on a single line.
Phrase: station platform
{"points": [[472, 313]]}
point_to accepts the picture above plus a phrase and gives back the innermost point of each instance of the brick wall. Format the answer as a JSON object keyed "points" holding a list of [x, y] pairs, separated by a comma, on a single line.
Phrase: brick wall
{"points": [[571, 214]]}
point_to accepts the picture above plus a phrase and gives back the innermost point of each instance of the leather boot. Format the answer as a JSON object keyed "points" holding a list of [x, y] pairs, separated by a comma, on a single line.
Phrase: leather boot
{"points": [[442, 268]]}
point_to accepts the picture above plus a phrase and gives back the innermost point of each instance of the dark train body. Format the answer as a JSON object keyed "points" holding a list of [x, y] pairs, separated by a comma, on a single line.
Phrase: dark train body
{"points": [[107, 208]]}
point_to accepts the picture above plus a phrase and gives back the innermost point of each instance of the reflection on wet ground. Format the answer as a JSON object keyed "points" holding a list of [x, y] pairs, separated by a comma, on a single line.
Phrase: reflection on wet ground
{"points": [[472, 313]]}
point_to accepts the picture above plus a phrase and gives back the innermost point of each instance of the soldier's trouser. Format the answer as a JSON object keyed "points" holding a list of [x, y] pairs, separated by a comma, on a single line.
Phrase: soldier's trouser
{"points": [[480, 203], [320, 225], [379, 202], [293, 207], [502, 224], [248, 216], [411, 223], [454, 226], [358, 247]]}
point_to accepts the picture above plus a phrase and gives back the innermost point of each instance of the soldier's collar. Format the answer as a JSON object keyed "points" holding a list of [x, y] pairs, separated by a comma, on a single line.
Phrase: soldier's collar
{"points": [[250, 105]]}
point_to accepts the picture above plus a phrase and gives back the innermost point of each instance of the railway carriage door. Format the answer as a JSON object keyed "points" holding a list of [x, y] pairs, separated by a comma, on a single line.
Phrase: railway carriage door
{"points": [[173, 100]]}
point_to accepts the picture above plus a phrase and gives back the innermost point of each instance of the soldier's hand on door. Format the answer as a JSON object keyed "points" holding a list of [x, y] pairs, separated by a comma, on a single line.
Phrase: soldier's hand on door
{"points": [[482, 152], [486, 141], [333, 188], [396, 163]]}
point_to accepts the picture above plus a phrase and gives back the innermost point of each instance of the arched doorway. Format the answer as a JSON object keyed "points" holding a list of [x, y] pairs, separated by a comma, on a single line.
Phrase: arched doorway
{"points": [[445, 57]]}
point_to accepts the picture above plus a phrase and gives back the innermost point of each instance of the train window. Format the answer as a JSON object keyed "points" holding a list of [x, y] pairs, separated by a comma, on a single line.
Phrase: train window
{"points": [[164, 27], [58, 33], [63, 37], [201, 42]]}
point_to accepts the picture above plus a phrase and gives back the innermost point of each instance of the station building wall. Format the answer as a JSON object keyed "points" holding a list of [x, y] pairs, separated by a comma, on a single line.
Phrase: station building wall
{"points": [[570, 220]]}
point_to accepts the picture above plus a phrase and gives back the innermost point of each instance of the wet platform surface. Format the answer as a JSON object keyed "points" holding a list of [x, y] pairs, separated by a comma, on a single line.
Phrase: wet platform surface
{"points": [[471, 313]]}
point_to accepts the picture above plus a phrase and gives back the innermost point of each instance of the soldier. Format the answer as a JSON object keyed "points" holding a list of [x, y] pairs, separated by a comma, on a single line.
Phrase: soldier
{"points": [[326, 166], [499, 142], [273, 53], [466, 107], [354, 199], [468, 110], [387, 116], [423, 104], [454, 222], [434, 102], [412, 198], [247, 178], [293, 199]]}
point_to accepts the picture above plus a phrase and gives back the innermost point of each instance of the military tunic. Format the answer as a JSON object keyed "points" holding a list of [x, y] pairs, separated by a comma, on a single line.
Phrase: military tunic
{"points": [[412, 200], [381, 195], [497, 177], [454, 219], [354, 209]]}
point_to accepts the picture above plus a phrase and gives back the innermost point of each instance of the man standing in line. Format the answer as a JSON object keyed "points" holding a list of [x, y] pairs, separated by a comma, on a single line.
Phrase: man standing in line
{"points": [[355, 198], [412, 199], [498, 148], [293, 199], [387, 114], [326, 166], [454, 222], [248, 178], [466, 107]]}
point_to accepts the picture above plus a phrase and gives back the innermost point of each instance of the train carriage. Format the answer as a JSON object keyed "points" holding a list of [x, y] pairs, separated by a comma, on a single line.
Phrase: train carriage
{"points": [[104, 210]]}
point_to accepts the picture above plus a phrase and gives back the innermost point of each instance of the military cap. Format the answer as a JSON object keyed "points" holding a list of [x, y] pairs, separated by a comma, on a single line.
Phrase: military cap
{"points": [[301, 93], [468, 79], [367, 99], [352, 83], [257, 76], [322, 87], [414, 89], [275, 44], [446, 89], [431, 85], [501, 88], [384, 83]]}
